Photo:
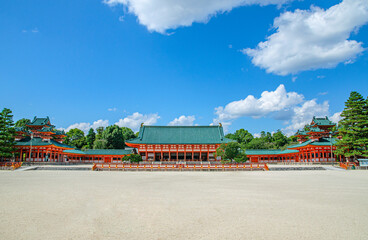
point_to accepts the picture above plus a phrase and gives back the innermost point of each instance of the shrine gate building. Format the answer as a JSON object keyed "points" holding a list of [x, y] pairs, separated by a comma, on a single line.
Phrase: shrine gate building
{"points": [[178, 143]]}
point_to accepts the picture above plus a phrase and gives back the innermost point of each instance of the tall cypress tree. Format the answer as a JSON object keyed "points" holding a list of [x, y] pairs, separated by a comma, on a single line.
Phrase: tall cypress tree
{"points": [[7, 134], [353, 127], [364, 139], [91, 137]]}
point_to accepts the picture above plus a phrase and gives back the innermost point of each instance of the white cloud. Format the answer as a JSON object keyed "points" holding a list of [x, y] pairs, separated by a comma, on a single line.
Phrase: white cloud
{"points": [[312, 39], [257, 135], [84, 126], [277, 102], [183, 121], [112, 109], [34, 30], [290, 107], [161, 15], [336, 117], [322, 93], [134, 121]]}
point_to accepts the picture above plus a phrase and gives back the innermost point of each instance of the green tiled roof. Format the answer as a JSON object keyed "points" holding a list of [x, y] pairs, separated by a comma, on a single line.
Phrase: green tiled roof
{"points": [[315, 129], [301, 132], [38, 142], [268, 151], [101, 151], [40, 121], [46, 129], [19, 129], [180, 135], [321, 142], [322, 121], [76, 151], [59, 132]]}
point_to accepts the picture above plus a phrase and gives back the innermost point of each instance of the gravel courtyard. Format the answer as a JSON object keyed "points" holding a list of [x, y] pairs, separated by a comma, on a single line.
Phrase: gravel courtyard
{"points": [[184, 205]]}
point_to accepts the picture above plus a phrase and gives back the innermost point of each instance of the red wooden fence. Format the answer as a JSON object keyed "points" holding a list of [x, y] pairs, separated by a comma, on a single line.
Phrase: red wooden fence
{"points": [[180, 167], [13, 165]]}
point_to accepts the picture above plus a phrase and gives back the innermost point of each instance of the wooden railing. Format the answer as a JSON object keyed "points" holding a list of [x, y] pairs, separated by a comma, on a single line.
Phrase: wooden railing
{"points": [[344, 165], [180, 167], [13, 165]]}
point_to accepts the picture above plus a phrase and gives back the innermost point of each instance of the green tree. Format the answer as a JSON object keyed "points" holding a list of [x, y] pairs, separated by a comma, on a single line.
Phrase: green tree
{"points": [[114, 137], [230, 136], [99, 131], [257, 143], [133, 158], [90, 138], [231, 152], [268, 137], [75, 137], [364, 139], [100, 144], [353, 127], [241, 136], [279, 139], [127, 133], [263, 134], [7, 134], [293, 139], [22, 122]]}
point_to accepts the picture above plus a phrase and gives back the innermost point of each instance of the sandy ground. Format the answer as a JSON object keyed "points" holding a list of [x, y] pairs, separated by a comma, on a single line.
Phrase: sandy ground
{"points": [[184, 205]]}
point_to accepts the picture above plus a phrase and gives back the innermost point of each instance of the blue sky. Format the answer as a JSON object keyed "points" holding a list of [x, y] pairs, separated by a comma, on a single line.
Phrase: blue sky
{"points": [[91, 63]]}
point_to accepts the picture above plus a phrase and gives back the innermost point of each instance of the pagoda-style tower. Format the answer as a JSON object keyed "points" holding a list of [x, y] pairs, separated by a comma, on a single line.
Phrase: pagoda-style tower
{"points": [[302, 136], [319, 128], [40, 128], [40, 141]]}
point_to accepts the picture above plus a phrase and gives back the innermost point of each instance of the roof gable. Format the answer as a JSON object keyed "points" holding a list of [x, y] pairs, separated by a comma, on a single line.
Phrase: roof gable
{"points": [[322, 121], [40, 121]]}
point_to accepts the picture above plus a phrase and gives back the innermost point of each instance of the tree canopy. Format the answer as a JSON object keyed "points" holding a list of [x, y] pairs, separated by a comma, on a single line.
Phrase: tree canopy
{"points": [[111, 137], [279, 139], [22, 122], [133, 158], [231, 152], [100, 144], [114, 137], [75, 137], [265, 141], [99, 131], [241, 136], [90, 138], [353, 127], [7, 134], [127, 133]]}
